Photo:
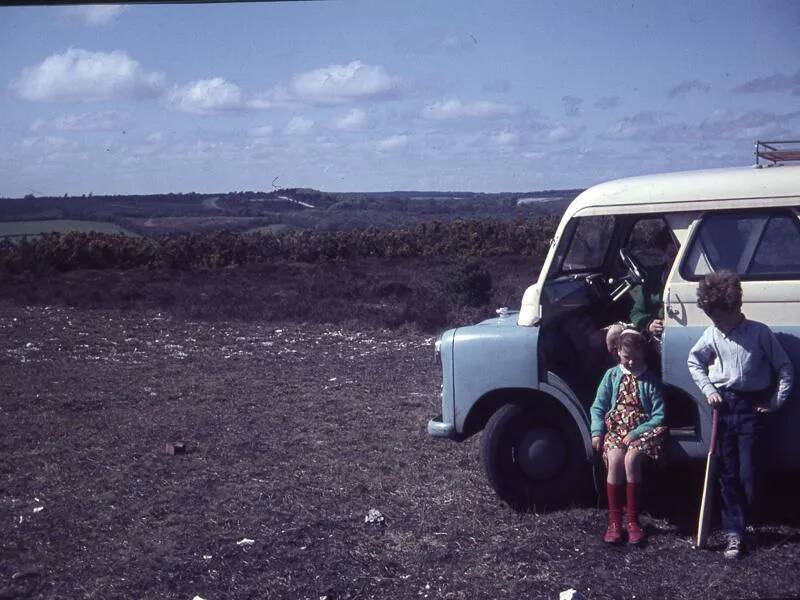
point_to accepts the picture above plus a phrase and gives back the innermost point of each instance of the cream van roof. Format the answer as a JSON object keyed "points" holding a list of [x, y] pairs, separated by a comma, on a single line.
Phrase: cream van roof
{"points": [[691, 190]]}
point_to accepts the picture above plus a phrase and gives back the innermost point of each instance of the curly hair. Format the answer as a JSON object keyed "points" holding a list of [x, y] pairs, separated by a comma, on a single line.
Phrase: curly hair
{"points": [[632, 342], [720, 290]]}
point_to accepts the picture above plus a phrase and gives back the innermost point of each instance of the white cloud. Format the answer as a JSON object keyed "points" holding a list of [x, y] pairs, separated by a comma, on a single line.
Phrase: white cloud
{"points": [[354, 120], [455, 109], [686, 87], [156, 136], [96, 15], [750, 125], [723, 124], [572, 105], [562, 133], [607, 102], [391, 143], [299, 126], [458, 42], [208, 96], [48, 142], [98, 121], [779, 82], [504, 138], [344, 83], [260, 132], [80, 75], [639, 125], [48, 149]]}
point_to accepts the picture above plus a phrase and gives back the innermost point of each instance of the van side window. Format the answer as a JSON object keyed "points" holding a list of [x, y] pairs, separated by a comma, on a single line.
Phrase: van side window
{"points": [[754, 245], [589, 244], [779, 250]]}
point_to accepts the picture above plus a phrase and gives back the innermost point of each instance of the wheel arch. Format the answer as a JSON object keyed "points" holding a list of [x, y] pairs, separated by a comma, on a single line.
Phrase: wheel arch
{"points": [[550, 396]]}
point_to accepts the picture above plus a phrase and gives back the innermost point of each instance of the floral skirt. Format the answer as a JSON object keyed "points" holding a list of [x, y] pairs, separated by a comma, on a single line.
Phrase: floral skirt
{"points": [[621, 421]]}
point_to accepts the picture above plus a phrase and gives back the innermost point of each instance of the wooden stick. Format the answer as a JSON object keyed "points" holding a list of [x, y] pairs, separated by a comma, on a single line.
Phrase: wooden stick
{"points": [[704, 521]]}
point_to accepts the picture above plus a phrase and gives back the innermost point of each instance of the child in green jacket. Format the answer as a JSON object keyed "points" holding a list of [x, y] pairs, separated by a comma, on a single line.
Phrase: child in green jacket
{"points": [[627, 426]]}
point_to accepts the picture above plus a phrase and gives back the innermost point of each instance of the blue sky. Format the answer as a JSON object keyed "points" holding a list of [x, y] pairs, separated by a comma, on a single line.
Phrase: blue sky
{"points": [[373, 96]]}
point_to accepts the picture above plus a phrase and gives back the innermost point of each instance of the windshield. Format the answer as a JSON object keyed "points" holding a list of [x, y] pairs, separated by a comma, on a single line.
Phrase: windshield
{"points": [[588, 244]]}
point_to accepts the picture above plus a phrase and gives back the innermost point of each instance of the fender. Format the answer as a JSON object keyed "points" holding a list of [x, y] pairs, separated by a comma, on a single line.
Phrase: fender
{"points": [[558, 389]]}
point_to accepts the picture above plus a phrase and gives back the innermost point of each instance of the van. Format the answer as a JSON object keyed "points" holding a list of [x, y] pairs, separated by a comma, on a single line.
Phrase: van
{"points": [[527, 378]]}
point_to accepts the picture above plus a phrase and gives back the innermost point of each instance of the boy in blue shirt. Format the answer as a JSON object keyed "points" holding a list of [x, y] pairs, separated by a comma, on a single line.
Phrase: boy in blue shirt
{"points": [[733, 363]]}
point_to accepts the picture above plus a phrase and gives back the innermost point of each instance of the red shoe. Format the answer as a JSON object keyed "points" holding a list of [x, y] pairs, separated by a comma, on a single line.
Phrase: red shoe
{"points": [[614, 531], [636, 534]]}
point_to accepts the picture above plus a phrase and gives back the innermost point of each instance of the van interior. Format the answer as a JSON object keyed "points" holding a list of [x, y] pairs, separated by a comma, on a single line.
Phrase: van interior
{"points": [[600, 264]]}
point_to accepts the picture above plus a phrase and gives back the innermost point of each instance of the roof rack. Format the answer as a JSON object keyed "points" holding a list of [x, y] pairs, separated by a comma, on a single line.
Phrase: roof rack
{"points": [[777, 152]]}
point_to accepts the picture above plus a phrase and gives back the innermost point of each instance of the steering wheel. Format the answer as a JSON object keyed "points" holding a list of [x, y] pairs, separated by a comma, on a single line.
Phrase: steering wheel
{"points": [[634, 277], [635, 271]]}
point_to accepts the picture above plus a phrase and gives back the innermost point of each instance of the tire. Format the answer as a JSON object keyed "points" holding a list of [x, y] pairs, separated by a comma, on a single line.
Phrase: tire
{"points": [[534, 458]]}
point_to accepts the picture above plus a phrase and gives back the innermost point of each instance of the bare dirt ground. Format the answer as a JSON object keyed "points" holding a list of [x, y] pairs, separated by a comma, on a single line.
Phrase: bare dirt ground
{"points": [[293, 432]]}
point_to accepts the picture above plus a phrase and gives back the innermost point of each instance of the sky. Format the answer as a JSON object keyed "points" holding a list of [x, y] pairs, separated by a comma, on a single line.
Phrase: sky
{"points": [[376, 95]]}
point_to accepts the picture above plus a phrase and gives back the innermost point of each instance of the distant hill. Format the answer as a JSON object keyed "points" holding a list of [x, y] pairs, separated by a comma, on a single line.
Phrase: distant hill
{"points": [[288, 208]]}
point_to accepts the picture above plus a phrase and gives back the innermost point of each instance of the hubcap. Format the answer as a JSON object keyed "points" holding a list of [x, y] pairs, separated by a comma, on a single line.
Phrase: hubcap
{"points": [[541, 452]]}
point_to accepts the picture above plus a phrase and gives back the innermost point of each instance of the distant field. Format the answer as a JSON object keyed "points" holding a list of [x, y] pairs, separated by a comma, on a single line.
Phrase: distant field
{"points": [[32, 228], [274, 228], [157, 225]]}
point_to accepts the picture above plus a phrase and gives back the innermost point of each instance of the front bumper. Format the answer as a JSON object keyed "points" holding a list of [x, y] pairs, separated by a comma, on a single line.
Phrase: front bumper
{"points": [[437, 428]]}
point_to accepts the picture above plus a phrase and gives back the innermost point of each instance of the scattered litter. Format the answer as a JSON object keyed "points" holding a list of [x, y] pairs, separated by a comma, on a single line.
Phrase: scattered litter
{"points": [[175, 448], [245, 542], [198, 598], [332, 379], [37, 509], [374, 516], [207, 557], [21, 519], [570, 594]]}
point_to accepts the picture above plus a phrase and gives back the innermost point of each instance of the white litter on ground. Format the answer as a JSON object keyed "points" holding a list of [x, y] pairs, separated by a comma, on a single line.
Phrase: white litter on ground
{"points": [[374, 516], [245, 542]]}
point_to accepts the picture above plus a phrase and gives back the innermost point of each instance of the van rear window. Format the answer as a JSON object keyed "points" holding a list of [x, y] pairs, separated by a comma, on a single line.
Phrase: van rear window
{"points": [[754, 245]]}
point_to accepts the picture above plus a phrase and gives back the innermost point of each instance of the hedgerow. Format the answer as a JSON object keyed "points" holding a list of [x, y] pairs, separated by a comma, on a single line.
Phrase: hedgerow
{"points": [[217, 249]]}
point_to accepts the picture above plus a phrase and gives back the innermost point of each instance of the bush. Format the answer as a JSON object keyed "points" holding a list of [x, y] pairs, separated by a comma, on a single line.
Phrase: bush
{"points": [[472, 284], [216, 249]]}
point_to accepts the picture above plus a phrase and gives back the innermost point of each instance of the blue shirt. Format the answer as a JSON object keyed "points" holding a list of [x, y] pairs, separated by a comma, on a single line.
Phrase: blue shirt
{"points": [[743, 359]]}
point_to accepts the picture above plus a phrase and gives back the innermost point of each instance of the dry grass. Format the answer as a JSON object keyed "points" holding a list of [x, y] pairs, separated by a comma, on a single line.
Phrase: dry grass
{"points": [[293, 434]]}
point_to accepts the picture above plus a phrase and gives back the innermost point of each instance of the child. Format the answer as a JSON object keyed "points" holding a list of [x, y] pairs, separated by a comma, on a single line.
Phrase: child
{"points": [[627, 417], [732, 364]]}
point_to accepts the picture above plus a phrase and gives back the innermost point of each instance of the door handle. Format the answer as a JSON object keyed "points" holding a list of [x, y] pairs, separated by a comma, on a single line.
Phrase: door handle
{"points": [[671, 312]]}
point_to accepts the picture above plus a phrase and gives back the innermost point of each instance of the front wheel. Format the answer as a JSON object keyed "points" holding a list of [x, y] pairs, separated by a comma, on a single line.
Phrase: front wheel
{"points": [[534, 457]]}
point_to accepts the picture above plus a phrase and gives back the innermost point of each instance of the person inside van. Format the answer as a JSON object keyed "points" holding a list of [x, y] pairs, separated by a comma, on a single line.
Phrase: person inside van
{"points": [[647, 314]]}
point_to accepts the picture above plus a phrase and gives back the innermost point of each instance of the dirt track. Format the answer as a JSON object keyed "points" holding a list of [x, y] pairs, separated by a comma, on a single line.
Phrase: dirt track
{"points": [[293, 434]]}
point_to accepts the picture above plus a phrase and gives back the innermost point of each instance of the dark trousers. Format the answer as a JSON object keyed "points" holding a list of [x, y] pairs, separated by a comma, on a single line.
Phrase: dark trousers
{"points": [[737, 438]]}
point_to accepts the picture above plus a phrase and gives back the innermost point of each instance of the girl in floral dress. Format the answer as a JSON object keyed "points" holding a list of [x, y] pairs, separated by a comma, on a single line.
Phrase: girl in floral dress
{"points": [[627, 425]]}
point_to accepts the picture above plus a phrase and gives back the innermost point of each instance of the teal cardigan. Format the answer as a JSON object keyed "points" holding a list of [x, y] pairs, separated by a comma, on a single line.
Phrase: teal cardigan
{"points": [[650, 395]]}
